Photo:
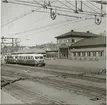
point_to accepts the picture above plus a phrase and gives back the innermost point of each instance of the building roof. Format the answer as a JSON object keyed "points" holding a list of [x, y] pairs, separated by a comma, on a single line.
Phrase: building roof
{"points": [[93, 41], [76, 34], [30, 51]]}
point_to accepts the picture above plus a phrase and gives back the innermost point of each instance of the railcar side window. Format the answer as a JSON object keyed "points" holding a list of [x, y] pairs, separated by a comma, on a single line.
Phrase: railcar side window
{"points": [[41, 57], [28, 57], [15, 56], [36, 57], [94, 53], [31, 57]]}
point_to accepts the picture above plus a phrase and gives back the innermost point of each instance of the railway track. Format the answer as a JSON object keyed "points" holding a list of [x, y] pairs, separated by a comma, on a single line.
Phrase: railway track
{"points": [[82, 76], [29, 97], [89, 91], [86, 90], [78, 76]]}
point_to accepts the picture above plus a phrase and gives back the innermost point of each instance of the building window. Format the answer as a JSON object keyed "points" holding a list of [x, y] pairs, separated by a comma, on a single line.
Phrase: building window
{"points": [[58, 41], [88, 53], [73, 40], [100, 53], [83, 53], [62, 41], [65, 40], [28, 57], [74, 53], [94, 53], [78, 53]]}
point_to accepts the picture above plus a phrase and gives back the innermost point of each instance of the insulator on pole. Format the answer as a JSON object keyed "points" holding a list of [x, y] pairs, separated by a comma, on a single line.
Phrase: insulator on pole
{"points": [[53, 13], [98, 20]]}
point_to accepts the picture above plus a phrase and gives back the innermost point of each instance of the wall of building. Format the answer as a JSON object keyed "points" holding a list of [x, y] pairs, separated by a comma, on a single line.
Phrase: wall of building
{"points": [[52, 54], [67, 41], [95, 54]]}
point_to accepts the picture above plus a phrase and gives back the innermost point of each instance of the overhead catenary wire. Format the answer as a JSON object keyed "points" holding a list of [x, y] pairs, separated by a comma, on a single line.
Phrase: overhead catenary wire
{"points": [[95, 27], [82, 11], [90, 7], [38, 3], [44, 17], [59, 24], [30, 30], [95, 6], [64, 23], [86, 12], [62, 14], [66, 15], [41, 7], [42, 4], [20, 16], [92, 25], [66, 5], [23, 4], [30, 13], [34, 3]]}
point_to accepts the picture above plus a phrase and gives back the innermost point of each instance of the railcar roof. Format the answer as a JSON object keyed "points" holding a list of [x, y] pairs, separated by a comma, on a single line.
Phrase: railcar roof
{"points": [[29, 55]]}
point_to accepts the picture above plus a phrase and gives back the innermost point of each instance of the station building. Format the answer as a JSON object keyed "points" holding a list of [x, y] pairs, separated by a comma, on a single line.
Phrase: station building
{"points": [[81, 46]]}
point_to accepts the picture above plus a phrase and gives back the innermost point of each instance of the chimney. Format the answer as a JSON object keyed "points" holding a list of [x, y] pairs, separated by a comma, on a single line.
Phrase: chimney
{"points": [[72, 30]]}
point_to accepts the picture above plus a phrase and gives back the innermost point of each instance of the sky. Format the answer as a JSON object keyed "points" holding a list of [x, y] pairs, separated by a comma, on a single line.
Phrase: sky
{"points": [[38, 27]]}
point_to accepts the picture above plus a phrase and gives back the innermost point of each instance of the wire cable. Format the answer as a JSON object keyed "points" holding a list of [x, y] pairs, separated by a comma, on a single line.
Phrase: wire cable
{"points": [[25, 1], [95, 6], [52, 6], [66, 5], [19, 17], [85, 27], [59, 24], [90, 7], [23, 4], [38, 3], [83, 12]]}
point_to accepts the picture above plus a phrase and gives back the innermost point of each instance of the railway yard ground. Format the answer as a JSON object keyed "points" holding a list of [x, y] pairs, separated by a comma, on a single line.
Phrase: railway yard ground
{"points": [[53, 84]]}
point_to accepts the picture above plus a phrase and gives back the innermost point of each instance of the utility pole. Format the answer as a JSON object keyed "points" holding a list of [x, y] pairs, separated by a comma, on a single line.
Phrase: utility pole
{"points": [[3, 43]]}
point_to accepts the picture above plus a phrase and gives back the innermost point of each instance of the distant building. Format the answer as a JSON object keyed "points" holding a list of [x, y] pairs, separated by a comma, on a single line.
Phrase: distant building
{"points": [[81, 46], [30, 51], [50, 48]]}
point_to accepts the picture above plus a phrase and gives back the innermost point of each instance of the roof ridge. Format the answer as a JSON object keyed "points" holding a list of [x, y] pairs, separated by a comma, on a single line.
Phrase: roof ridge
{"points": [[82, 34]]}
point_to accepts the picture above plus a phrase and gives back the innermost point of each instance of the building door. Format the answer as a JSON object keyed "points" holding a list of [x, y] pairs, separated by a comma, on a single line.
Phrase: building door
{"points": [[63, 53]]}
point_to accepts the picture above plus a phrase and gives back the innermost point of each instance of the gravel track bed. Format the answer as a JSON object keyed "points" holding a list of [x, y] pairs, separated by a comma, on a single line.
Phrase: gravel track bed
{"points": [[82, 89], [60, 73], [31, 97]]}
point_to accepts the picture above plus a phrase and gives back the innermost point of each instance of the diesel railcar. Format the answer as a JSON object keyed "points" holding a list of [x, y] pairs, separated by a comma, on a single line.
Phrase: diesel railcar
{"points": [[26, 59]]}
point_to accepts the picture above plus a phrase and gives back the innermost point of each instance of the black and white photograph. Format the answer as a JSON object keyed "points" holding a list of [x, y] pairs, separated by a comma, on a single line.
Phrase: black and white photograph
{"points": [[53, 52]]}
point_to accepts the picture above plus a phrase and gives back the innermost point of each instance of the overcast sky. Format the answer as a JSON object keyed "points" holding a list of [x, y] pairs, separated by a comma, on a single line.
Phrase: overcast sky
{"points": [[38, 20]]}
